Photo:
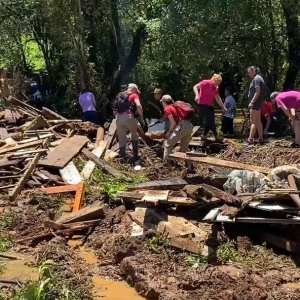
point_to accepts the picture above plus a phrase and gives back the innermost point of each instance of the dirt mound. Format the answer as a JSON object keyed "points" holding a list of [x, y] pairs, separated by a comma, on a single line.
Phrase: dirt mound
{"points": [[157, 277]]}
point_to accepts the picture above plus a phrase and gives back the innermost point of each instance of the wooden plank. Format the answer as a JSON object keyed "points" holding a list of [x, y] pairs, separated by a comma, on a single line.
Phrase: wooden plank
{"points": [[104, 165], [280, 242], [90, 165], [110, 155], [20, 147], [175, 183], [43, 136], [5, 163], [227, 198], [155, 196], [195, 129], [61, 189], [166, 224], [220, 163], [292, 183], [100, 135], [51, 115], [64, 152], [37, 123], [195, 154], [94, 211], [9, 116], [22, 181], [111, 133], [17, 102], [226, 219], [70, 174], [211, 215], [3, 133], [78, 197]]}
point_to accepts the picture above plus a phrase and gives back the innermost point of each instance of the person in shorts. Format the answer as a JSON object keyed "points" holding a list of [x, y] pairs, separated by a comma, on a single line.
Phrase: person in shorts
{"points": [[227, 120], [256, 97]]}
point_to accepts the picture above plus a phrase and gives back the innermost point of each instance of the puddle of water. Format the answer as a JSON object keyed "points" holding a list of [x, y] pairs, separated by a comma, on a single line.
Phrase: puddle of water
{"points": [[113, 290], [18, 270], [295, 286]]}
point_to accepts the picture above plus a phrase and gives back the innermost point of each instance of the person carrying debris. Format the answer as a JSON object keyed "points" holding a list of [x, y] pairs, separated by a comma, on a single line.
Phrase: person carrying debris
{"points": [[127, 107], [205, 93], [289, 103], [179, 114], [88, 105], [230, 104]]}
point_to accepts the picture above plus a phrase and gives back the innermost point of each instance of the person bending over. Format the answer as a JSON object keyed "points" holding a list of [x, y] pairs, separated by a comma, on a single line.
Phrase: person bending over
{"points": [[206, 91], [289, 103], [179, 114], [88, 105]]}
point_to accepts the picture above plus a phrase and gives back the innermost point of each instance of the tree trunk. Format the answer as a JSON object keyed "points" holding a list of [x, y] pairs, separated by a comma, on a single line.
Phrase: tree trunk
{"points": [[292, 27]]}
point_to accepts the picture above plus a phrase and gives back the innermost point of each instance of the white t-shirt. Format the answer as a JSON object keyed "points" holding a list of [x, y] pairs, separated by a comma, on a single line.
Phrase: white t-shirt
{"points": [[230, 104]]}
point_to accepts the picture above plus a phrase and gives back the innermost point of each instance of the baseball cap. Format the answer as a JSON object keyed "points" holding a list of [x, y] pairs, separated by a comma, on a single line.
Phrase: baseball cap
{"points": [[134, 86], [274, 95]]}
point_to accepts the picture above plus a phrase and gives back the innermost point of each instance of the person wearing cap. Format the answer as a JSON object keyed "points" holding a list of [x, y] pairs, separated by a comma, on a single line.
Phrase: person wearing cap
{"points": [[88, 105], [206, 91], [289, 103], [125, 119], [180, 129]]}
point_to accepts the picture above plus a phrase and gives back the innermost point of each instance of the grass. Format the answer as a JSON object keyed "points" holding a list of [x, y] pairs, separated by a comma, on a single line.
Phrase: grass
{"points": [[194, 260], [5, 242], [47, 287], [9, 220]]}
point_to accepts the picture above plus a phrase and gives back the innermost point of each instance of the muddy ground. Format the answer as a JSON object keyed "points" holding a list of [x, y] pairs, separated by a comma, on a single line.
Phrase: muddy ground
{"points": [[244, 269]]}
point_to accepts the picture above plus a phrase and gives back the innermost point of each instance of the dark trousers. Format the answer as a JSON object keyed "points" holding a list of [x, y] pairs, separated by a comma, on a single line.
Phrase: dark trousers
{"points": [[90, 116], [208, 114], [227, 125], [272, 125]]}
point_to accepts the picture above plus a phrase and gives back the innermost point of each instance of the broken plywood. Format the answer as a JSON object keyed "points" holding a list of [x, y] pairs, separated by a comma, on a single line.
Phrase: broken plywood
{"points": [[155, 196], [220, 163], [64, 152], [166, 224]]}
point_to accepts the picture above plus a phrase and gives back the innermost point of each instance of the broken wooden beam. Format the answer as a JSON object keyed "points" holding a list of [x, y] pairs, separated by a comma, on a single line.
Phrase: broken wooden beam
{"points": [[104, 165], [22, 181], [51, 115], [94, 211], [20, 147], [64, 152], [292, 184], [175, 183], [220, 163]]}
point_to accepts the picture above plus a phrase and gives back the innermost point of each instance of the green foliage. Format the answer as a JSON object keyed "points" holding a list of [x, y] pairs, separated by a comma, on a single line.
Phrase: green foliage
{"points": [[227, 252], [158, 240], [9, 220], [194, 260], [5, 243]]}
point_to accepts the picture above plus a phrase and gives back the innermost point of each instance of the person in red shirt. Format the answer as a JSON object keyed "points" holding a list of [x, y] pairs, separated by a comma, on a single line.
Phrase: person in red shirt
{"points": [[206, 91], [180, 127], [266, 112], [126, 106]]}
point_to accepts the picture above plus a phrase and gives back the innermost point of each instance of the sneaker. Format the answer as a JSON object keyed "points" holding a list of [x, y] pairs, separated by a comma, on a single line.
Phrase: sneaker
{"points": [[295, 145], [249, 141]]}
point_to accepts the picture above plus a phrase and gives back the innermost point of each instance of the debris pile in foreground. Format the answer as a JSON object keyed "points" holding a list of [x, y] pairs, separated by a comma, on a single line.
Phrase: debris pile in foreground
{"points": [[38, 151]]}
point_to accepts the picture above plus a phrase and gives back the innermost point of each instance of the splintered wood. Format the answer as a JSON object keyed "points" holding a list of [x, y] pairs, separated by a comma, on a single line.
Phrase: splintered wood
{"points": [[64, 152]]}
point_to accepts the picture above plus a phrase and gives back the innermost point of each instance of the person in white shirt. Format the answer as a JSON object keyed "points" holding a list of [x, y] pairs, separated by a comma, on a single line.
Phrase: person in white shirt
{"points": [[230, 104]]}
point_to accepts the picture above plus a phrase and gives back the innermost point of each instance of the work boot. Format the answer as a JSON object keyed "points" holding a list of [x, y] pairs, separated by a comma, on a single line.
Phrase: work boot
{"points": [[135, 148], [123, 155]]}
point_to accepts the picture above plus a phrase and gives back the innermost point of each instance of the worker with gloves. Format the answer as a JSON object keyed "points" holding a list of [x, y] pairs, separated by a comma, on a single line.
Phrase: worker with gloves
{"points": [[127, 107]]}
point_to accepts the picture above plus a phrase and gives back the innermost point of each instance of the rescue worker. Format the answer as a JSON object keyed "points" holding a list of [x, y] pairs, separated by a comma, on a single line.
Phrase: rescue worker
{"points": [[88, 105], [128, 105], [179, 114]]}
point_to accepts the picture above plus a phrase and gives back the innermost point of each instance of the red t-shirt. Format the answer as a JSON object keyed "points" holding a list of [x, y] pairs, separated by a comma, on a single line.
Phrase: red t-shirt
{"points": [[171, 110], [266, 109], [207, 92]]}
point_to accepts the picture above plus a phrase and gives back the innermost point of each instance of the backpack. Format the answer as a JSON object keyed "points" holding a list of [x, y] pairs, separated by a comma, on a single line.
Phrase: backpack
{"points": [[122, 103], [185, 110]]}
